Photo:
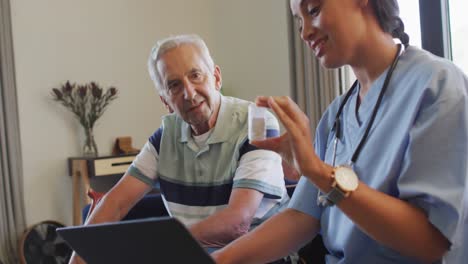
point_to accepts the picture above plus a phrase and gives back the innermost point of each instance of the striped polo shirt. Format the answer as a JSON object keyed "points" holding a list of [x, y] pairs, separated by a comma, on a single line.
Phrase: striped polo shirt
{"points": [[196, 181]]}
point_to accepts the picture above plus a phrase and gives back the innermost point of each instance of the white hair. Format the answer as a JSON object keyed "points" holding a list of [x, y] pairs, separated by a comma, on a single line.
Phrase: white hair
{"points": [[164, 45]]}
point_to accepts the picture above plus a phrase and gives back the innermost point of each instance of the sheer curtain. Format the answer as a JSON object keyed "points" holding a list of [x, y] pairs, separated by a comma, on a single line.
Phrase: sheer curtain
{"points": [[12, 218], [313, 86]]}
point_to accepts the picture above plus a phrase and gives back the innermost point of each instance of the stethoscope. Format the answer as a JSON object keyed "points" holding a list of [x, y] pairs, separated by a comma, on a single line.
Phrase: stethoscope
{"points": [[337, 126]]}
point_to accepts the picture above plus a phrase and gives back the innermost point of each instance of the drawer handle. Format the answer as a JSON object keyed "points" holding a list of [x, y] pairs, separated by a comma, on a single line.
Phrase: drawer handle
{"points": [[121, 163]]}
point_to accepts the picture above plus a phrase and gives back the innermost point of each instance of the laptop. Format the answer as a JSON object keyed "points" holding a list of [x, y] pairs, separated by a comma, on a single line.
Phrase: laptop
{"points": [[149, 240]]}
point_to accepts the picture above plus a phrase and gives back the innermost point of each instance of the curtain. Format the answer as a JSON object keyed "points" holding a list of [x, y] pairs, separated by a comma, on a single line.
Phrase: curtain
{"points": [[12, 214], [313, 86]]}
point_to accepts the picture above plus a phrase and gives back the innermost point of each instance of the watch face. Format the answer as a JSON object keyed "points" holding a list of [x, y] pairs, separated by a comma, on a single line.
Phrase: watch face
{"points": [[346, 179]]}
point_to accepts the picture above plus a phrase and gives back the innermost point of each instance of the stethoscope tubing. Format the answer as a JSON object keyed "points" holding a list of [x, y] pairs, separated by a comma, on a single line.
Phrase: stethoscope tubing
{"points": [[337, 125]]}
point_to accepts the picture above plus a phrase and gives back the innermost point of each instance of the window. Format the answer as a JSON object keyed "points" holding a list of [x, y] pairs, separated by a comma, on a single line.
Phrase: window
{"points": [[458, 30], [409, 13], [438, 26]]}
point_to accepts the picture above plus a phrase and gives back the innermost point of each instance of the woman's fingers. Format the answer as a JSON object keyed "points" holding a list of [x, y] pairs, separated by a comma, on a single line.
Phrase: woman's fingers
{"points": [[297, 148], [297, 129], [279, 145], [269, 143], [282, 115], [287, 105], [278, 105], [290, 172], [290, 108], [262, 101]]}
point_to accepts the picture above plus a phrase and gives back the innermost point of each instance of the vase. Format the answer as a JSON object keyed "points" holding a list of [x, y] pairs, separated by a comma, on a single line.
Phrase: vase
{"points": [[89, 148]]}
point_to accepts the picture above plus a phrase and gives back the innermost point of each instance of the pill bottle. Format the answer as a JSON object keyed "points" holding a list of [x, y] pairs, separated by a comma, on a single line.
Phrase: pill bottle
{"points": [[257, 122]]}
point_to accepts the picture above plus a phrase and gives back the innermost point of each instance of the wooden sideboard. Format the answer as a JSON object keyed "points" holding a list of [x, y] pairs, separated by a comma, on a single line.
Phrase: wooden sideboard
{"points": [[99, 173]]}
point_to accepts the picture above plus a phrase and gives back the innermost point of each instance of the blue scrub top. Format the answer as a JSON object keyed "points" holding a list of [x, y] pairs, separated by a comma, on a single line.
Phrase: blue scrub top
{"points": [[416, 150]]}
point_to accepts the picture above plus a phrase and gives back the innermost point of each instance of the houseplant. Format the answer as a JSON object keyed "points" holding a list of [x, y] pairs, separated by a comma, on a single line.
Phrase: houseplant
{"points": [[87, 102]]}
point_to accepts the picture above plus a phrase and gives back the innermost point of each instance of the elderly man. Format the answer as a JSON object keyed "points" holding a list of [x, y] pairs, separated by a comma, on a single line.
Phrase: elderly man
{"points": [[211, 178]]}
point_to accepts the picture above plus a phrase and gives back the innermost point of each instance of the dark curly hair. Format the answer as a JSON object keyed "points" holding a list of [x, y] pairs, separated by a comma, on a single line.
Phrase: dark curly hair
{"points": [[388, 15]]}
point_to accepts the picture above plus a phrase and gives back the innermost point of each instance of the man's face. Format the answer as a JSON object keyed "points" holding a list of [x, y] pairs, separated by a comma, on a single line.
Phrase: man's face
{"points": [[191, 89]]}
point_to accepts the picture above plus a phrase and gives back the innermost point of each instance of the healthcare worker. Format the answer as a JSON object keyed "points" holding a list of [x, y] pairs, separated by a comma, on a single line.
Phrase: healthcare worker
{"points": [[385, 180]]}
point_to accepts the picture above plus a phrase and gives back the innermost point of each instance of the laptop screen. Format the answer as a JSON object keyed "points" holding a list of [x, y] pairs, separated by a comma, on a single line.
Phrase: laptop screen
{"points": [[149, 240]]}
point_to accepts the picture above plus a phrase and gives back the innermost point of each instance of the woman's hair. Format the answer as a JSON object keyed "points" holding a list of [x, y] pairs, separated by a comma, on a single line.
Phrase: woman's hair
{"points": [[172, 42], [388, 15]]}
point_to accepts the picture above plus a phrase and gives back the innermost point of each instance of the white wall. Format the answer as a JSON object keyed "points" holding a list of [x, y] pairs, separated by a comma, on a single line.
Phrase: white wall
{"points": [[108, 41], [252, 43]]}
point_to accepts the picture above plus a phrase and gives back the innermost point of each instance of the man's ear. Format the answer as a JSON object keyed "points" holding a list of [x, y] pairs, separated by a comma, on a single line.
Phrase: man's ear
{"points": [[218, 78], [168, 107]]}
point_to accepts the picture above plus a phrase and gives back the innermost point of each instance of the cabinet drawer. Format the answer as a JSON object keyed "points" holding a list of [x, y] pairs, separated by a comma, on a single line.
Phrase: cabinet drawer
{"points": [[110, 166]]}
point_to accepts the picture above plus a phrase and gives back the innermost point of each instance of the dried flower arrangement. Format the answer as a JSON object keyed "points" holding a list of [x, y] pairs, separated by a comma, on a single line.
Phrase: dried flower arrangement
{"points": [[87, 102]]}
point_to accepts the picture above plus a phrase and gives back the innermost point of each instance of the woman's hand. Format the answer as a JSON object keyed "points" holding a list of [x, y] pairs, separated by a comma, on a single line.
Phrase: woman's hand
{"points": [[280, 145], [295, 146]]}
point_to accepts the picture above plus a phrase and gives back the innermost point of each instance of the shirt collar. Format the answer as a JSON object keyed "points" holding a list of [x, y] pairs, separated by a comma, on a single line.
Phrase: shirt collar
{"points": [[223, 127]]}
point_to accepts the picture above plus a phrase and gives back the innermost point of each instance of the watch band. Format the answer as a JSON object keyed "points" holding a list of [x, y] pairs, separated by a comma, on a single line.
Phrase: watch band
{"points": [[331, 198], [335, 196]]}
